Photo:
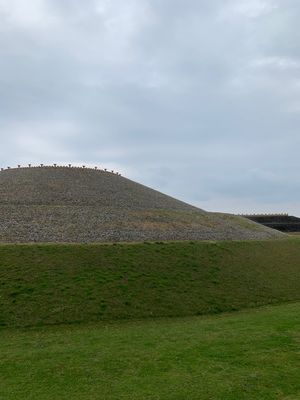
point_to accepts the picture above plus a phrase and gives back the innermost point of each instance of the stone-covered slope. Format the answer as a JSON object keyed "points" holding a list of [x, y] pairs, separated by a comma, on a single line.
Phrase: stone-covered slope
{"points": [[61, 204]]}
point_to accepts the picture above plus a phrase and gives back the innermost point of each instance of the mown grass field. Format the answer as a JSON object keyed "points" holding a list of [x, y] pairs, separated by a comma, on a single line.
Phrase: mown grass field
{"points": [[53, 284], [249, 355]]}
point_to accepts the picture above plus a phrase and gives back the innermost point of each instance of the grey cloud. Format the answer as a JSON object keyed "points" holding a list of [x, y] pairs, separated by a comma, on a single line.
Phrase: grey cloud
{"points": [[200, 99]]}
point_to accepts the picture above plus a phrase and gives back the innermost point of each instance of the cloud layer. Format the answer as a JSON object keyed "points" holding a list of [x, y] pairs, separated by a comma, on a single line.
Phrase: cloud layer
{"points": [[199, 99]]}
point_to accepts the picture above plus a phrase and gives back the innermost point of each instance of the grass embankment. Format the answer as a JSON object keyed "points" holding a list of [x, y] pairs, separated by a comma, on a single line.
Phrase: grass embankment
{"points": [[251, 355], [52, 284]]}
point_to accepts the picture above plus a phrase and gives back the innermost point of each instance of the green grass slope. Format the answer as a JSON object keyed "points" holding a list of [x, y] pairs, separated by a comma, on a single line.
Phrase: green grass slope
{"points": [[252, 355], [53, 284]]}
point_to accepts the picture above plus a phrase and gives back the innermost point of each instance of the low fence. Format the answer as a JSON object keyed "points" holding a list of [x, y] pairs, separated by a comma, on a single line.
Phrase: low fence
{"points": [[82, 167], [264, 215]]}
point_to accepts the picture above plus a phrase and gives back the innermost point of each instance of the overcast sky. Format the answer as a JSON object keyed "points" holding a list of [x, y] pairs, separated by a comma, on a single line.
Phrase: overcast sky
{"points": [[199, 99]]}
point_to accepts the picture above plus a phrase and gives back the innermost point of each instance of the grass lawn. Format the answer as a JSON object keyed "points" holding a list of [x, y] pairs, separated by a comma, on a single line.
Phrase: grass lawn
{"points": [[52, 284], [249, 355]]}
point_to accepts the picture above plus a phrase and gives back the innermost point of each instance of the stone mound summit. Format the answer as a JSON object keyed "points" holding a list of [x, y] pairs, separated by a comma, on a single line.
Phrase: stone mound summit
{"points": [[63, 204]]}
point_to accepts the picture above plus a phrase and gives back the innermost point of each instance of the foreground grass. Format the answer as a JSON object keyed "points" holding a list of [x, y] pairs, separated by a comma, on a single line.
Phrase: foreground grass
{"points": [[251, 355], [52, 284]]}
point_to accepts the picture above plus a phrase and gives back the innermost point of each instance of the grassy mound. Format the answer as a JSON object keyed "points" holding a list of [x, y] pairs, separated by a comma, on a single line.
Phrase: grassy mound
{"points": [[52, 284], [76, 205], [251, 355]]}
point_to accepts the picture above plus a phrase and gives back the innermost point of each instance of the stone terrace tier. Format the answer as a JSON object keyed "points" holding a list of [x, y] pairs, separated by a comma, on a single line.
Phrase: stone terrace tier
{"points": [[79, 186]]}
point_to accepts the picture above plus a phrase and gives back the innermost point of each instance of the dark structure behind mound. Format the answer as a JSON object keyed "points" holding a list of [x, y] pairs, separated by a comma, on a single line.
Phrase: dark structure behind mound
{"points": [[283, 223], [61, 204]]}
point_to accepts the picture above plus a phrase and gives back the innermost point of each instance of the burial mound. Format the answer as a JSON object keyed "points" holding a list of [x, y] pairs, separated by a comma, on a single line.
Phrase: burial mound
{"points": [[63, 204]]}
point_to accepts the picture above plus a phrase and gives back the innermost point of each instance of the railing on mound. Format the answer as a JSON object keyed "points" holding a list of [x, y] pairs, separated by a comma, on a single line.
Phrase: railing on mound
{"points": [[82, 167]]}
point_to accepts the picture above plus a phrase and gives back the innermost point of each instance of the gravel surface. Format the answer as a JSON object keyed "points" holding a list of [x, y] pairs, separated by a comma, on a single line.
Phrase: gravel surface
{"points": [[61, 204]]}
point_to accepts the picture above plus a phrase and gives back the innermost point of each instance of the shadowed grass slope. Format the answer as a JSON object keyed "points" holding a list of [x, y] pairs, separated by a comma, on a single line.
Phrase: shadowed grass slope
{"points": [[53, 284], [252, 355]]}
